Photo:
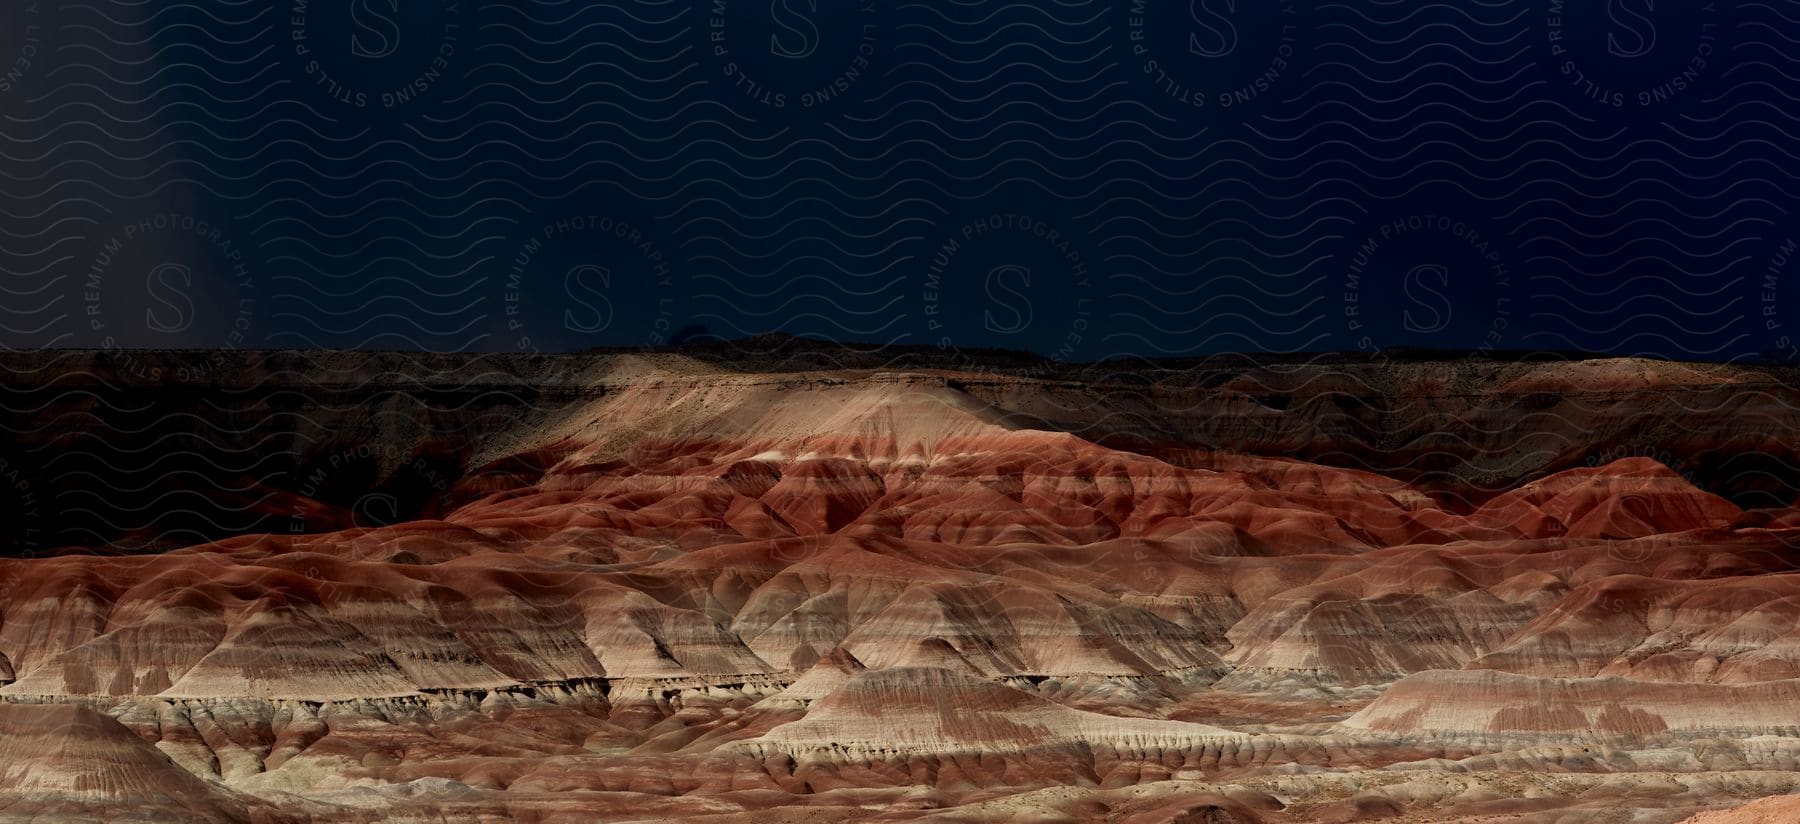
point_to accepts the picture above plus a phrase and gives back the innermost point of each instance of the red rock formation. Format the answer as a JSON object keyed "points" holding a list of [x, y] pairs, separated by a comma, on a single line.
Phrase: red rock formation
{"points": [[684, 591], [1766, 811]]}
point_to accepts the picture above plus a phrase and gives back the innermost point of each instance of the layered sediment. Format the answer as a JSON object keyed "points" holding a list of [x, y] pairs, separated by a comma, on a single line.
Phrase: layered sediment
{"points": [[808, 585]]}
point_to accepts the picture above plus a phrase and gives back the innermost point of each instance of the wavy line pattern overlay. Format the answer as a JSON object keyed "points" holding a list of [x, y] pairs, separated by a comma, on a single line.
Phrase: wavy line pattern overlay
{"points": [[541, 410], [1082, 179], [1129, 180]]}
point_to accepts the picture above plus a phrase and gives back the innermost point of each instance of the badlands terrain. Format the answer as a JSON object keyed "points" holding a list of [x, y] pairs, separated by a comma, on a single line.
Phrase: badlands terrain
{"points": [[798, 583]]}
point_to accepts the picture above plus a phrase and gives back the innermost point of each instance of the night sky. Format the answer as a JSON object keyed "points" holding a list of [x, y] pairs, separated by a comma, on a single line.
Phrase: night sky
{"points": [[1081, 179]]}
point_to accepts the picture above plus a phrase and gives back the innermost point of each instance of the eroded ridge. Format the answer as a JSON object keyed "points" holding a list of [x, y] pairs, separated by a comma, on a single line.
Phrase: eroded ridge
{"points": [[672, 590]]}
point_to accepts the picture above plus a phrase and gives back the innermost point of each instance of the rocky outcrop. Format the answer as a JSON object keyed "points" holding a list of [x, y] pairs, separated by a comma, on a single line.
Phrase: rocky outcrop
{"points": [[649, 586], [62, 762], [1766, 811]]}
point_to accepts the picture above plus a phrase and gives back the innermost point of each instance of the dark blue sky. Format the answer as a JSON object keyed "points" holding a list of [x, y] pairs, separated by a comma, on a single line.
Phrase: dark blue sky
{"points": [[1082, 179]]}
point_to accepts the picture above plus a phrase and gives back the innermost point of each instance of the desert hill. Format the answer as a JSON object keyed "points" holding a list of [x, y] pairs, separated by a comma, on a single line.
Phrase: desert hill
{"points": [[357, 587]]}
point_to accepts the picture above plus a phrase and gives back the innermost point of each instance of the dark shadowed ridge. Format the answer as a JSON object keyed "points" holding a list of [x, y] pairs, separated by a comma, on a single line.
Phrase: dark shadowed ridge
{"points": [[134, 450]]}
